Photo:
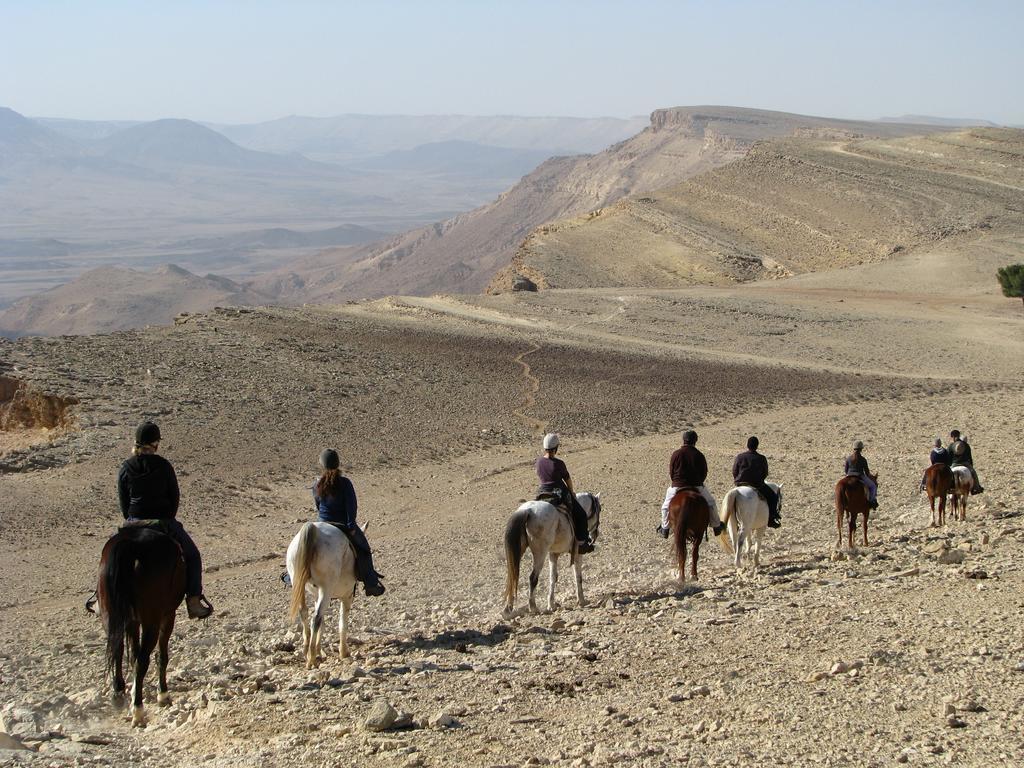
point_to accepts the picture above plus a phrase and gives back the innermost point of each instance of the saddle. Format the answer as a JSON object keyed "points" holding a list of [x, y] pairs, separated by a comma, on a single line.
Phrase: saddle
{"points": [[760, 493], [556, 500], [155, 524]]}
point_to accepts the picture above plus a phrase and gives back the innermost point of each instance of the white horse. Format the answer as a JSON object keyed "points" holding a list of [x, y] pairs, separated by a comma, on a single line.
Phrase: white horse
{"points": [[322, 556], [963, 484], [548, 531], [745, 510]]}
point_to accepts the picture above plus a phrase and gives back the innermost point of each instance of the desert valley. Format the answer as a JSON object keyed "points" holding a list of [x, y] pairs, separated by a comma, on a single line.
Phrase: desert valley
{"points": [[734, 271]]}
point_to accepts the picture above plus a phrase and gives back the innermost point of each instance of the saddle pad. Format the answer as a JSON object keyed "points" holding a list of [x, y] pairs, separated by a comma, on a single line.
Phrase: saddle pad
{"points": [[550, 498], [753, 488]]}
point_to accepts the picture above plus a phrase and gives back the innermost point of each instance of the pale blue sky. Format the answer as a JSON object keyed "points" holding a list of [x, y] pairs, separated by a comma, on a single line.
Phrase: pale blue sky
{"points": [[255, 60]]}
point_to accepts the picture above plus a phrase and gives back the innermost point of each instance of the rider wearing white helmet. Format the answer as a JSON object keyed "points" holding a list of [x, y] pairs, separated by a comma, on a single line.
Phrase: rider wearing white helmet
{"points": [[857, 466], [554, 478]]}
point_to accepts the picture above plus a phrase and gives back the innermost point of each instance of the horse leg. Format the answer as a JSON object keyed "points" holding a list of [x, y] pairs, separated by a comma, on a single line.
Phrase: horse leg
{"points": [[756, 537], [931, 501], [866, 513], [346, 606], [851, 529], [146, 646], [741, 541], [578, 568], [163, 698], [839, 527], [118, 682], [313, 653], [304, 623], [963, 508], [534, 578], [552, 578], [693, 558]]}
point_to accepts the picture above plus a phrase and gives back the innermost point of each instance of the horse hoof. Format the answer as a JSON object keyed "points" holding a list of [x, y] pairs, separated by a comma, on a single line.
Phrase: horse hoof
{"points": [[163, 699], [138, 718]]}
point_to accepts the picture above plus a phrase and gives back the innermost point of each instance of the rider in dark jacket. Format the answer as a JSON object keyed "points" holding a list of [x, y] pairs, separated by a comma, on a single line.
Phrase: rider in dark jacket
{"points": [[335, 501], [147, 489], [939, 455], [751, 468], [857, 466], [960, 451]]}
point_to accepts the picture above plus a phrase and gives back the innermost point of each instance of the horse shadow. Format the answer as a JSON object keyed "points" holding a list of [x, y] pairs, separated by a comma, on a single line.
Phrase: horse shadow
{"points": [[459, 640]]}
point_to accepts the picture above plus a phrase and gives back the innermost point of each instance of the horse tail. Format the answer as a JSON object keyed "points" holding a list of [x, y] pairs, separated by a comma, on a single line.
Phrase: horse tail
{"points": [[117, 594], [682, 528], [728, 518], [840, 501], [515, 545], [303, 561]]}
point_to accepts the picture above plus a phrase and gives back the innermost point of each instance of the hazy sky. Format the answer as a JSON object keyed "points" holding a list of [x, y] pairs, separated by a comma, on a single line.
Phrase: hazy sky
{"points": [[253, 60]]}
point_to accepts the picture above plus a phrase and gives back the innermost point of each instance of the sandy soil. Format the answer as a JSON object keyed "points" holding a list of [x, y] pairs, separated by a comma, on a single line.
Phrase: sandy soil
{"points": [[886, 654]]}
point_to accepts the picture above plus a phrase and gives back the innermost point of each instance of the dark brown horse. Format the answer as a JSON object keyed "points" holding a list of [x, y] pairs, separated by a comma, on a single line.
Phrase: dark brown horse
{"points": [[688, 515], [141, 585], [938, 484], [852, 499]]}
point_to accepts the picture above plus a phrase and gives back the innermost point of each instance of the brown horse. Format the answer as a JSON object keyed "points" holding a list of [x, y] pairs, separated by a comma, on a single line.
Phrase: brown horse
{"points": [[938, 483], [852, 499], [688, 515], [141, 585]]}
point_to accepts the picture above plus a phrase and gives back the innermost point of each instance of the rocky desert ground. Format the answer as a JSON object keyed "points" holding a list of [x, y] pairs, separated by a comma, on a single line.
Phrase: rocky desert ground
{"points": [[907, 651]]}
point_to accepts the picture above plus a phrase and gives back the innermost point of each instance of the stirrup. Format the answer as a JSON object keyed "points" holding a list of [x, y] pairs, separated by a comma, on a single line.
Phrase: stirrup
{"points": [[584, 547]]}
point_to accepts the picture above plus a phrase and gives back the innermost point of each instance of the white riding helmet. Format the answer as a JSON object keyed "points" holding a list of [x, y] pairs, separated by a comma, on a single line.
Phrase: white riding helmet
{"points": [[550, 441]]}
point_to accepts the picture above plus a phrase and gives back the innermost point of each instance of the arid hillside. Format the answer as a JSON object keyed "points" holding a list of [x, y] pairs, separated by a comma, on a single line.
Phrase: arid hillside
{"points": [[111, 298], [463, 253], [790, 206]]}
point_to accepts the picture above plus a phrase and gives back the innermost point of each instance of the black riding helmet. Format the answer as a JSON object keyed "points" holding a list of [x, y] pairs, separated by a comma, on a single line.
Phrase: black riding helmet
{"points": [[329, 459], [147, 433]]}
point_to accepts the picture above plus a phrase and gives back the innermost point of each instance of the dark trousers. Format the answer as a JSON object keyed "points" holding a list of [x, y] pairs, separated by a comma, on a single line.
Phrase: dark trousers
{"points": [[770, 496], [189, 550], [365, 572], [579, 515]]}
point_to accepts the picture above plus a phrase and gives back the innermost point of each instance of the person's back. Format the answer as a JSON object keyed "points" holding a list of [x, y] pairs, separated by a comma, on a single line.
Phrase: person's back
{"points": [[688, 467], [148, 488], [750, 468], [940, 455], [856, 464]]}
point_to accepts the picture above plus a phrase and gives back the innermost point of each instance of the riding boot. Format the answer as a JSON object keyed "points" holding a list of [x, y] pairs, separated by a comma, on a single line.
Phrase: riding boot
{"points": [[90, 604], [579, 519], [976, 488], [198, 606], [365, 572]]}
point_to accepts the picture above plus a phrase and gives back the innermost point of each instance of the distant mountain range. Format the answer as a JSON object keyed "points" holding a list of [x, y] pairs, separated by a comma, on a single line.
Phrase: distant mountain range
{"points": [[947, 122]]}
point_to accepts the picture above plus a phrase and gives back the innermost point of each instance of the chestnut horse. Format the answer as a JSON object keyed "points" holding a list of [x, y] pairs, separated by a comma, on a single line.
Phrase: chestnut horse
{"points": [[141, 585], [688, 515], [938, 482], [963, 484], [852, 499]]}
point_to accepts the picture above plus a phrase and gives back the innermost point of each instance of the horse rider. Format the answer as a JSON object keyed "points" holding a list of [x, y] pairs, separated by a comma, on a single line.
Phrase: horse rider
{"points": [[751, 468], [147, 489], [554, 479], [335, 501], [939, 455], [857, 466], [687, 468], [960, 450]]}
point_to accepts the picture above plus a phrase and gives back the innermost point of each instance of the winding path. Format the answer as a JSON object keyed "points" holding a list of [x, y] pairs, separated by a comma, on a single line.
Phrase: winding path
{"points": [[532, 387]]}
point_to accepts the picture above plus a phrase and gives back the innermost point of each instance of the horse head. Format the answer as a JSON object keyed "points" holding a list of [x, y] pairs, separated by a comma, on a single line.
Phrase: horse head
{"points": [[594, 515]]}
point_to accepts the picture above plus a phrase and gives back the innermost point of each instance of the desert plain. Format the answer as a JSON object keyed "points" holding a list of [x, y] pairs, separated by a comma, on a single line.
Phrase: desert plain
{"points": [[909, 650]]}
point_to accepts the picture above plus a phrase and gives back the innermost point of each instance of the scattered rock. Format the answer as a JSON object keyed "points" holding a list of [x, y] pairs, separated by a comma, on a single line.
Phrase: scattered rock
{"points": [[952, 557], [441, 720], [381, 717]]}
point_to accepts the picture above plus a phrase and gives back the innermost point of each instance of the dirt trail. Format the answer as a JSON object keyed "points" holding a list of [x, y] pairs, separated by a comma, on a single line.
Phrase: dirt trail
{"points": [[532, 387]]}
